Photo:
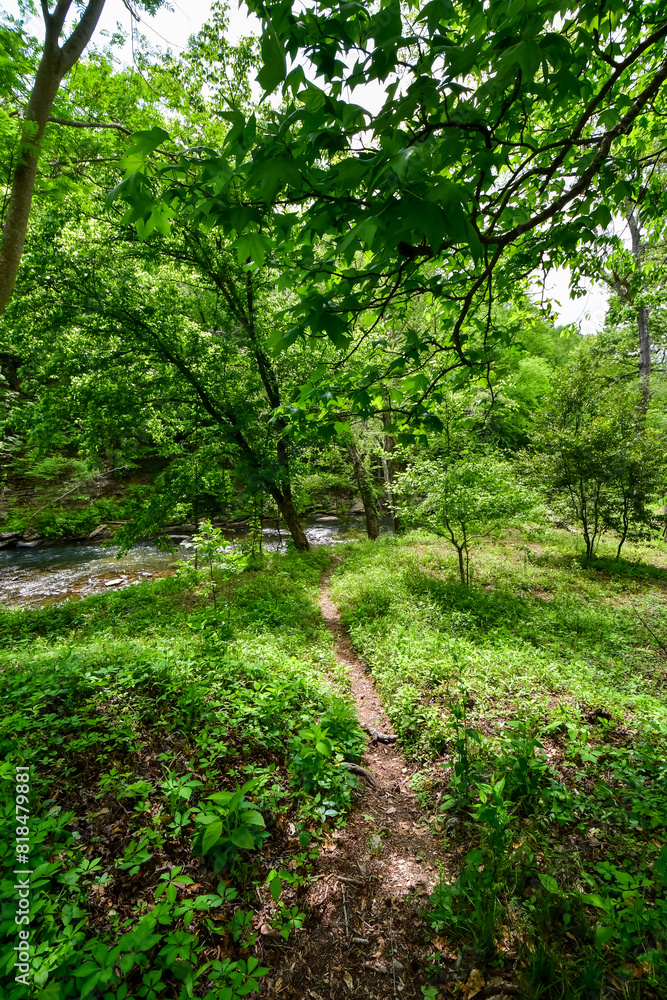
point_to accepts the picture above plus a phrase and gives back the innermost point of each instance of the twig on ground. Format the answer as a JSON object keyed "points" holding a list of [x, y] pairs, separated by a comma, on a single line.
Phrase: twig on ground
{"points": [[649, 629], [347, 928], [391, 945]]}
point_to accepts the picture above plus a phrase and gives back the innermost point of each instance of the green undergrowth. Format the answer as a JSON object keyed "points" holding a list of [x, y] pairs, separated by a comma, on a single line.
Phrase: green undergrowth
{"points": [[75, 514], [538, 627], [536, 701], [183, 762]]}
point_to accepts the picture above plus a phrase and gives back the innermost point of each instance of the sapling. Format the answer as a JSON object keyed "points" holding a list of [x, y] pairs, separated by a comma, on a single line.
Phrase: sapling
{"points": [[210, 545], [462, 502]]}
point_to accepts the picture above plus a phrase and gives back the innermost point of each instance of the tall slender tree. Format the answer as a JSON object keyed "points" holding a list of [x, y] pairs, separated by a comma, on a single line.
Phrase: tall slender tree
{"points": [[59, 54]]}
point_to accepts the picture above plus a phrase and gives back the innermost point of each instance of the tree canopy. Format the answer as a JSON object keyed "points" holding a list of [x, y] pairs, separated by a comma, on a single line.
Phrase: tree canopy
{"points": [[506, 142]]}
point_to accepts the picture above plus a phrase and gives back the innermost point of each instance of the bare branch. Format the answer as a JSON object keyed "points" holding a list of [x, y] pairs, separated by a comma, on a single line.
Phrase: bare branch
{"points": [[64, 121]]}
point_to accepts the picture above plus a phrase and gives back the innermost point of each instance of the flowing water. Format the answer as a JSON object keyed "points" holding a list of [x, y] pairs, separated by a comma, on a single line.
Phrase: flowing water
{"points": [[41, 576]]}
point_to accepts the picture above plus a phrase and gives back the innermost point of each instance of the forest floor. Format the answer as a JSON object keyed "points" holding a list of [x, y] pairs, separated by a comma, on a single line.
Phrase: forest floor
{"points": [[365, 935], [194, 831]]}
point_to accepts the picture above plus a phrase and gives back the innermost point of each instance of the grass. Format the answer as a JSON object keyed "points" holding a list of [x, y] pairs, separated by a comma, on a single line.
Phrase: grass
{"points": [[181, 762], [536, 701]]}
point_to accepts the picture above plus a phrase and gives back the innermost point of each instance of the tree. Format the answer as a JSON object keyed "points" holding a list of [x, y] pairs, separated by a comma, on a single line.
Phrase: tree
{"points": [[163, 341], [462, 502], [501, 148], [365, 487], [596, 457], [56, 61], [635, 276]]}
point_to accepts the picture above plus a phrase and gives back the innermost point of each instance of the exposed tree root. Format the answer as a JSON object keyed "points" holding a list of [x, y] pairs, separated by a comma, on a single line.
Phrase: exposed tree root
{"points": [[363, 773]]}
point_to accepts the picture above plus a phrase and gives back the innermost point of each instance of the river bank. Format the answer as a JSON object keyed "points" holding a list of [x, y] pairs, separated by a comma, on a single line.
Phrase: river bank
{"points": [[46, 571]]}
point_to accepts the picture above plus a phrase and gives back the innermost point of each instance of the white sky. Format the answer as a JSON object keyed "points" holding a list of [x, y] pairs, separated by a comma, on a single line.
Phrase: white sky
{"points": [[587, 313], [168, 27], [172, 28]]}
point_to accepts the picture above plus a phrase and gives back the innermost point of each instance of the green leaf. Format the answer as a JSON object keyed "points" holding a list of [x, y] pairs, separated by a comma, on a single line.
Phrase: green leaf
{"points": [[90, 985], [52, 991], [276, 889], [549, 883], [145, 142], [272, 174], [594, 899], [221, 797], [603, 935], [251, 246], [254, 818], [387, 23], [280, 341], [86, 969], [274, 68], [180, 969], [212, 835], [435, 12], [236, 799], [242, 837]]}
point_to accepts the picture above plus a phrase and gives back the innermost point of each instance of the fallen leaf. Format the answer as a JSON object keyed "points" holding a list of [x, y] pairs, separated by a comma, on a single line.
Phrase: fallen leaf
{"points": [[474, 984]]}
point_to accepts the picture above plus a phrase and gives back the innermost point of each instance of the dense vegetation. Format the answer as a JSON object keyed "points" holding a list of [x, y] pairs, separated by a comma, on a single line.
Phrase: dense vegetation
{"points": [[226, 305], [543, 686]]}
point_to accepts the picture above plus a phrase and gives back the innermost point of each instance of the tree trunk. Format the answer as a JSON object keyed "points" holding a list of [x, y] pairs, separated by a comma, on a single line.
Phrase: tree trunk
{"points": [[462, 569], [467, 552], [23, 181], [642, 324], [372, 525], [286, 508], [644, 359], [389, 468], [56, 61], [626, 524]]}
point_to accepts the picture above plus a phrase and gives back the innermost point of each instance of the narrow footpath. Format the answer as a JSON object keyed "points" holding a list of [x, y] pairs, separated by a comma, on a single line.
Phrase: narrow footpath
{"points": [[364, 937]]}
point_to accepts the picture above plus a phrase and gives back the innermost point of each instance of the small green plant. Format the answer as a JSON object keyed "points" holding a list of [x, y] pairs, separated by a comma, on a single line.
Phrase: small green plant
{"points": [[634, 908], [230, 824], [235, 979], [170, 882], [469, 908], [179, 790], [464, 736], [240, 927], [287, 919], [319, 773], [136, 854], [210, 545], [523, 766]]}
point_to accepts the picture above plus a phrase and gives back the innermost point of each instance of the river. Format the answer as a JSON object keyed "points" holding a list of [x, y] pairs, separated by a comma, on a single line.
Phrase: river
{"points": [[48, 575]]}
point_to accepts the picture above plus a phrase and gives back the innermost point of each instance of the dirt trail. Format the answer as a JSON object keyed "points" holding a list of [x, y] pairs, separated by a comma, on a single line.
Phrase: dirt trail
{"points": [[364, 937]]}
